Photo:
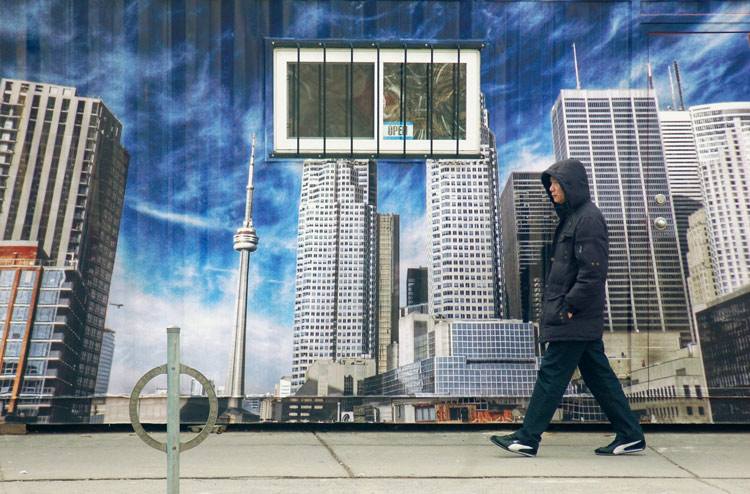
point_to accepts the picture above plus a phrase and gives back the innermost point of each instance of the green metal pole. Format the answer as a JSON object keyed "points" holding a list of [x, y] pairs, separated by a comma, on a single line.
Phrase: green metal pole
{"points": [[173, 410]]}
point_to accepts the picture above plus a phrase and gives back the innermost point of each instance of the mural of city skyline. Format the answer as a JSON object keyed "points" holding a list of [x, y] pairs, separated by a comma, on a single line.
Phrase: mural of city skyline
{"points": [[191, 83]]}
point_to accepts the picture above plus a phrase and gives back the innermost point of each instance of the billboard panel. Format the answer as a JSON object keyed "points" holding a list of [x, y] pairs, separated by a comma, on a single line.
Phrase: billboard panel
{"points": [[373, 101]]}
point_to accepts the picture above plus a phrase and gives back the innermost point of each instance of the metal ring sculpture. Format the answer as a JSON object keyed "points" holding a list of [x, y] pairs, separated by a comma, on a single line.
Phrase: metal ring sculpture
{"points": [[212, 414]]}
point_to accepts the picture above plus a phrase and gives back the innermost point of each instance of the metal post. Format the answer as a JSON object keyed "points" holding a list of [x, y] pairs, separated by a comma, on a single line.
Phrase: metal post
{"points": [[173, 447], [173, 410]]}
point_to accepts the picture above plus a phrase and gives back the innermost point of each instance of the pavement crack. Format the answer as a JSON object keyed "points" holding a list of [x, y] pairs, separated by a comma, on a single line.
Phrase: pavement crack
{"points": [[694, 475], [334, 455]]}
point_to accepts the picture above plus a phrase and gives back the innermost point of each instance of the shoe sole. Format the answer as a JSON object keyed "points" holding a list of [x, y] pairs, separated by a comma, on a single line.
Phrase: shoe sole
{"points": [[497, 443]]}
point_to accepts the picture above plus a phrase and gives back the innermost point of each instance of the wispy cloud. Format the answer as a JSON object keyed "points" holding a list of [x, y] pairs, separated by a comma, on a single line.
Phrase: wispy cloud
{"points": [[401, 188], [187, 220]]}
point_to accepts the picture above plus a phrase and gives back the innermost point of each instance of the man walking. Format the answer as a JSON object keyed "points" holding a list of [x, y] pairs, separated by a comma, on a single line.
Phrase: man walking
{"points": [[573, 319]]}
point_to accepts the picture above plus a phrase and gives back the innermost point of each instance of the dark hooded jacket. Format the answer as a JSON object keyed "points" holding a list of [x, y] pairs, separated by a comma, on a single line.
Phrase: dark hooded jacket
{"points": [[578, 272]]}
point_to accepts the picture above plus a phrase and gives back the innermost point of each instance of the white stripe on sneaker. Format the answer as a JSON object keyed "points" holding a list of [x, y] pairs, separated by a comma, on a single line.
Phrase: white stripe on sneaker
{"points": [[516, 447], [623, 448]]}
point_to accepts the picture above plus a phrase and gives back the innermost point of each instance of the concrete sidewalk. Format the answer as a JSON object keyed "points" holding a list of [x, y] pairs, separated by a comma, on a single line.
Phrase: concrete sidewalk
{"points": [[361, 462]]}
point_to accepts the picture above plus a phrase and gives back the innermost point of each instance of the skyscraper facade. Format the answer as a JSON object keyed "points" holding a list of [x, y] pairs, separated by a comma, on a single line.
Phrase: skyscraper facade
{"points": [[529, 222], [416, 286], [615, 133], [680, 154], [461, 359], [336, 280], [722, 134], [42, 310], [63, 171], [388, 286], [105, 362], [724, 327], [681, 160], [701, 280], [464, 244]]}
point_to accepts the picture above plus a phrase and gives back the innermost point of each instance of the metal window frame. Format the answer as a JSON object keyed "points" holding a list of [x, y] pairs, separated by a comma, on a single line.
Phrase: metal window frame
{"points": [[297, 151]]}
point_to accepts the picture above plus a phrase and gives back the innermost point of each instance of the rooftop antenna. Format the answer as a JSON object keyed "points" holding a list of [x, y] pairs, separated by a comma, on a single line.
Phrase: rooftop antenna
{"points": [[650, 76], [575, 61], [671, 86], [679, 84]]}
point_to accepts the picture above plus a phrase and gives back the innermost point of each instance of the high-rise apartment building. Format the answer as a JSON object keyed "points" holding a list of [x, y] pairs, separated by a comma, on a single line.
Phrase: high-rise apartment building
{"points": [[529, 222], [62, 184], [336, 280], [722, 135], [388, 285], [464, 245], [615, 133], [42, 310]]}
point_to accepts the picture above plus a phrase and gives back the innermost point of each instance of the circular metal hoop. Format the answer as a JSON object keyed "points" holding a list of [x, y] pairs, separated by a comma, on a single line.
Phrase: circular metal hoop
{"points": [[212, 414]]}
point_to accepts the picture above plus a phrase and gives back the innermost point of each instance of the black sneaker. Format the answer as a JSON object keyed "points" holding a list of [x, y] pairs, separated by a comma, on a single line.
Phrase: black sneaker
{"points": [[620, 447], [514, 445]]}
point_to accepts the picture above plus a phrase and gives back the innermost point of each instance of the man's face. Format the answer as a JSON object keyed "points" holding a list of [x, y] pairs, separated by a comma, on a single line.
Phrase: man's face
{"points": [[556, 191]]}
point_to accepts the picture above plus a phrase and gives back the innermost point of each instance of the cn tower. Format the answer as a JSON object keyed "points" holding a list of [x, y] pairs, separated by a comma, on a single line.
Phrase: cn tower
{"points": [[245, 241]]}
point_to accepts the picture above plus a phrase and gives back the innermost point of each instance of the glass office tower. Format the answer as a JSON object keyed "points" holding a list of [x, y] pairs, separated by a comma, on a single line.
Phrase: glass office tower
{"points": [[463, 358], [615, 133], [336, 281], [388, 286], [529, 222], [465, 246]]}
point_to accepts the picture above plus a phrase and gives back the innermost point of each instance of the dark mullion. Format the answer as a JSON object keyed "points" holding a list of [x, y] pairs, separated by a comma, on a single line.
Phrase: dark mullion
{"points": [[455, 94], [403, 101], [296, 98], [351, 101], [377, 102], [430, 95], [320, 100], [324, 100], [453, 86]]}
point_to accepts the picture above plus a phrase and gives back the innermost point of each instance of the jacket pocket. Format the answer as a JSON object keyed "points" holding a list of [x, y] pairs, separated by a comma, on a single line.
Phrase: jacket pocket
{"points": [[554, 312], [564, 252]]}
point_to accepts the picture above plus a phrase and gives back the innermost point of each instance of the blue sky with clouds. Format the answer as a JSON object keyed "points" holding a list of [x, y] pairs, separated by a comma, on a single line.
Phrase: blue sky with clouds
{"points": [[190, 81]]}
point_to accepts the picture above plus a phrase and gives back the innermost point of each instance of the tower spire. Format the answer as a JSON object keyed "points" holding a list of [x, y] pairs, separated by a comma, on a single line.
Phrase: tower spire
{"points": [[671, 87], [249, 198], [575, 62], [245, 241], [679, 84]]}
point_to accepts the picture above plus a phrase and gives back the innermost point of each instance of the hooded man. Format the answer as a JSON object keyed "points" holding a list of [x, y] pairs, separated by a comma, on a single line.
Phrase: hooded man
{"points": [[573, 319]]}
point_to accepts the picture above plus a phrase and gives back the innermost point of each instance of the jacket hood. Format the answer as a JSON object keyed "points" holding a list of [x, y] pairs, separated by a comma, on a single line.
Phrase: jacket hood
{"points": [[571, 175]]}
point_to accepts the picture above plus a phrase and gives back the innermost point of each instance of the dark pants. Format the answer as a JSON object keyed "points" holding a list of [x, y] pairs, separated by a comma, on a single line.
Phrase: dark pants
{"points": [[558, 364]]}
